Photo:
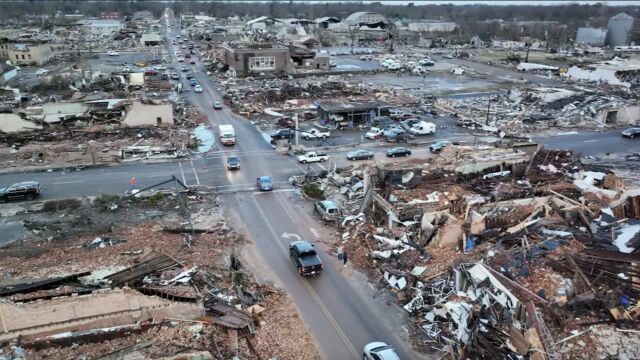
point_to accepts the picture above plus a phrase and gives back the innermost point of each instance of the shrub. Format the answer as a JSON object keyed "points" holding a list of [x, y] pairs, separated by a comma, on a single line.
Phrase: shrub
{"points": [[313, 191]]}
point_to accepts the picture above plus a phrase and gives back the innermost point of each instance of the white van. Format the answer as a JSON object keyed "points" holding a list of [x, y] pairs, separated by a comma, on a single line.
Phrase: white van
{"points": [[423, 128], [227, 134]]}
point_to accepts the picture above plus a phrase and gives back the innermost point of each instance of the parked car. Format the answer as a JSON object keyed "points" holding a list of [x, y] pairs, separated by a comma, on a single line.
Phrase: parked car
{"points": [[112, 53], [631, 133], [126, 69], [328, 210], [193, 82], [313, 156], [282, 134], [360, 154], [437, 147], [217, 105], [150, 72], [427, 62], [398, 136], [332, 63], [184, 68], [374, 133], [189, 76], [379, 351], [305, 258], [423, 128], [233, 163], [396, 113], [198, 88], [315, 134], [398, 151], [264, 183], [160, 67], [192, 62], [175, 76], [41, 72], [27, 189], [180, 59]]}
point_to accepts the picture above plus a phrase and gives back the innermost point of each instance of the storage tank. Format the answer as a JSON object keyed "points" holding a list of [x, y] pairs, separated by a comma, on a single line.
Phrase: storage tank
{"points": [[619, 29]]}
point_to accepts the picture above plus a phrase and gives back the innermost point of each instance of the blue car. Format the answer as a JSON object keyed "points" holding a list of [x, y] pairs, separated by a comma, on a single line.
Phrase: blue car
{"points": [[193, 82], [264, 183]]}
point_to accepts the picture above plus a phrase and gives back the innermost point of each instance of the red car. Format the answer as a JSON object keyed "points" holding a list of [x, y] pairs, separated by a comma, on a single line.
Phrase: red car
{"points": [[150, 72]]}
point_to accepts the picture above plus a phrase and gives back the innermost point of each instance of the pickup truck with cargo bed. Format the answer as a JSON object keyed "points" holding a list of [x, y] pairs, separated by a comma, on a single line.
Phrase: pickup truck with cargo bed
{"points": [[305, 258]]}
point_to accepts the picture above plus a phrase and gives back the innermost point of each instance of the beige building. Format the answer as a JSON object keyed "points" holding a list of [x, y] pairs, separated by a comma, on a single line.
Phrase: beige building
{"points": [[26, 53], [140, 114]]}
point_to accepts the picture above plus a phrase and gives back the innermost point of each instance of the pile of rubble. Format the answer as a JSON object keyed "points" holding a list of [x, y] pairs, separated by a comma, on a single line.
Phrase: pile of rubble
{"points": [[160, 275], [250, 97], [523, 110], [99, 136], [498, 252]]}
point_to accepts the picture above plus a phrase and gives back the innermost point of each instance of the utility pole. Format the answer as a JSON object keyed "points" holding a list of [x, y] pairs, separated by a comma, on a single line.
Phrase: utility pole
{"points": [[297, 131], [488, 107]]}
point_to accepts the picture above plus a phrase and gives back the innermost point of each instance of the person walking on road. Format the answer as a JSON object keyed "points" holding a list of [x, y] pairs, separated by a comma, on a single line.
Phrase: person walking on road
{"points": [[344, 258]]}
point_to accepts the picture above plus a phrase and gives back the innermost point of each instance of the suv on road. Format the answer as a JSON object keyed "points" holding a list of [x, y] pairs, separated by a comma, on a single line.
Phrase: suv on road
{"points": [[328, 210], [28, 190]]}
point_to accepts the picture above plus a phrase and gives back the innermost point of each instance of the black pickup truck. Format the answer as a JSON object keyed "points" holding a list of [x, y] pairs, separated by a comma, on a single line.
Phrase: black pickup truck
{"points": [[305, 258]]}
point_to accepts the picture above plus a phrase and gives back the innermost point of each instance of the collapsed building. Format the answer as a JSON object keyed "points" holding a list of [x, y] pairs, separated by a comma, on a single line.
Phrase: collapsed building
{"points": [[497, 252]]}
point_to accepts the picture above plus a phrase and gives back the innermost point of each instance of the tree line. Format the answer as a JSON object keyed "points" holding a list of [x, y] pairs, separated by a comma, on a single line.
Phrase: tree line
{"points": [[469, 17]]}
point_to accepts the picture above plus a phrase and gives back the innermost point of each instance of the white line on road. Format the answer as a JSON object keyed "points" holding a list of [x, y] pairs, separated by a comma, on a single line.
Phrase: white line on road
{"points": [[69, 182], [273, 191], [194, 172], [286, 208], [313, 293], [184, 181], [589, 141]]}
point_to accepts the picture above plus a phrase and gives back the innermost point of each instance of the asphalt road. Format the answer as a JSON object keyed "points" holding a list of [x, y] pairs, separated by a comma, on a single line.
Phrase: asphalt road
{"points": [[591, 143], [340, 318], [495, 73]]}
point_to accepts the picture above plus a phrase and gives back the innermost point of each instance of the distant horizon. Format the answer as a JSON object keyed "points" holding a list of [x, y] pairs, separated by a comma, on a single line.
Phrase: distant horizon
{"points": [[453, 2]]}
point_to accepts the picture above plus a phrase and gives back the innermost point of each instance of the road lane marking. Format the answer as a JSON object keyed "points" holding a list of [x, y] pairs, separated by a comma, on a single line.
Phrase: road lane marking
{"points": [[69, 182], [589, 141], [184, 181], [194, 172], [285, 207], [313, 293], [273, 191]]}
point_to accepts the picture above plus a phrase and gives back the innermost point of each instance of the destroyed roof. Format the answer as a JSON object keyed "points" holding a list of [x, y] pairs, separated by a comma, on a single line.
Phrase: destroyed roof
{"points": [[261, 19], [307, 39], [111, 103], [326, 19], [143, 114], [333, 106], [151, 37], [10, 123]]}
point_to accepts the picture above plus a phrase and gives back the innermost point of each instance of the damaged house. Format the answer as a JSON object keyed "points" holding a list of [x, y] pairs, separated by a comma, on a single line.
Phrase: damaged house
{"points": [[256, 59]]}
